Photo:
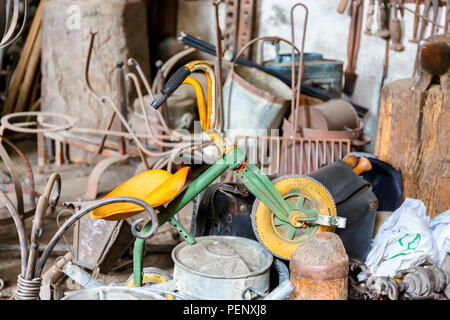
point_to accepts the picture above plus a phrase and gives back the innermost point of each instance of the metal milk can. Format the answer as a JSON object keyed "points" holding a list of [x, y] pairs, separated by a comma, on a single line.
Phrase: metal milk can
{"points": [[319, 269]]}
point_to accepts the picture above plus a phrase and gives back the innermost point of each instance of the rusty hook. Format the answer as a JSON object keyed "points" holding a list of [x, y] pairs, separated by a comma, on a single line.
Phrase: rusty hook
{"points": [[88, 63]]}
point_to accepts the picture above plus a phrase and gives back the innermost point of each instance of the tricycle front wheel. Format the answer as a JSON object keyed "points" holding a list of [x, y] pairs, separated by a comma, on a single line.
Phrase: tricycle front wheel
{"points": [[306, 197]]}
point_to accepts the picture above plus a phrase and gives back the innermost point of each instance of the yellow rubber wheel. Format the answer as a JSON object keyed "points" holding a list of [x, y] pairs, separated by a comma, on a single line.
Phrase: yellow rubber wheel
{"points": [[303, 194], [152, 276]]}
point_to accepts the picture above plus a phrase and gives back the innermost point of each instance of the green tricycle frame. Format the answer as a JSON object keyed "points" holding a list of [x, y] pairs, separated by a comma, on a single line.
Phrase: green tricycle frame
{"points": [[235, 160]]}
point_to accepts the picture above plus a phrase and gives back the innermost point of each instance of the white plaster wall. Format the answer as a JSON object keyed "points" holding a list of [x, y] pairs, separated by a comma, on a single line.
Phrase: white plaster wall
{"points": [[327, 33]]}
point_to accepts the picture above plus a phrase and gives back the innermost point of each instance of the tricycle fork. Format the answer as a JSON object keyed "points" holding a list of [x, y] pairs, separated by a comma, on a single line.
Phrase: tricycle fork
{"points": [[261, 187], [166, 214], [252, 177]]}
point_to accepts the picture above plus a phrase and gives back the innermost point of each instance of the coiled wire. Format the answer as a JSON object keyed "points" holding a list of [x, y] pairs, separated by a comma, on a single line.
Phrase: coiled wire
{"points": [[28, 289]]}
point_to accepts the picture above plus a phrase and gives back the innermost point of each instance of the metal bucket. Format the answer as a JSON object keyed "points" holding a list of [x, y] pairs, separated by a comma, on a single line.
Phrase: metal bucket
{"points": [[325, 73], [215, 270], [254, 100]]}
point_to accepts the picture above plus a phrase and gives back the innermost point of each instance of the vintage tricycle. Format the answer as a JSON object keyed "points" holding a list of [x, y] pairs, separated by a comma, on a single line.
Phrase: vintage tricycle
{"points": [[286, 212]]}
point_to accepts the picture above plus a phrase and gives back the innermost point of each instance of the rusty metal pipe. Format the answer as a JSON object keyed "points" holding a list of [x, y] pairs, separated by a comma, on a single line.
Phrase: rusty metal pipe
{"points": [[133, 62], [31, 186], [104, 99], [53, 189], [55, 273], [35, 235], [20, 230], [49, 197], [219, 55], [150, 132], [15, 179]]}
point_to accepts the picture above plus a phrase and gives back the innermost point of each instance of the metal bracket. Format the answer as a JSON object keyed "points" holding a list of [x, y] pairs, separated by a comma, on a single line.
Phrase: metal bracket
{"points": [[182, 231], [324, 220]]}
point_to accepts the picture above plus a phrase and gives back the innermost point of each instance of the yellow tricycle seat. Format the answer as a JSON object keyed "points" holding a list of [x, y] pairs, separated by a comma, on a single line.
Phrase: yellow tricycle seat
{"points": [[156, 187]]}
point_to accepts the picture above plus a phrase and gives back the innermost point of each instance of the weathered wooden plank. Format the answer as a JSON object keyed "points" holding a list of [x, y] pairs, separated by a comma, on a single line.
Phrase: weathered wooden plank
{"points": [[413, 135]]}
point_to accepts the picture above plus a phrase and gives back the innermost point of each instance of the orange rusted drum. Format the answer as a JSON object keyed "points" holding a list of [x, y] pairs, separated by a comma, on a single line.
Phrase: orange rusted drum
{"points": [[319, 269]]}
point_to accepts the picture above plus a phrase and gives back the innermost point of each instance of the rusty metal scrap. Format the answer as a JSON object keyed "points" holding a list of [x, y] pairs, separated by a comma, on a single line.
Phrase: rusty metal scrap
{"points": [[62, 129], [28, 283], [30, 280], [423, 282], [239, 18]]}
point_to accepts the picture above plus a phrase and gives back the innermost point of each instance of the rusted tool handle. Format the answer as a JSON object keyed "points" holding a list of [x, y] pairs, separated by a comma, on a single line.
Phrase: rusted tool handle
{"points": [[351, 160], [342, 5], [425, 13], [447, 15], [351, 38], [416, 21], [363, 165], [359, 20], [435, 15]]}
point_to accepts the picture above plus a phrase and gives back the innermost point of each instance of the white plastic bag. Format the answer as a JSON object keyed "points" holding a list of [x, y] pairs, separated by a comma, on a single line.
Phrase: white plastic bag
{"points": [[440, 230], [403, 241]]}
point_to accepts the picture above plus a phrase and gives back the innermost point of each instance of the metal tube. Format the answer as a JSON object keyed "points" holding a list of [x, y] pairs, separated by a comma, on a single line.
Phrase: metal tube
{"points": [[37, 225], [285, 287], [20, 230], [219, 54], [80, 276], [49, 197], [282, 269], [281, 292], [165, 128], [27, 166]]}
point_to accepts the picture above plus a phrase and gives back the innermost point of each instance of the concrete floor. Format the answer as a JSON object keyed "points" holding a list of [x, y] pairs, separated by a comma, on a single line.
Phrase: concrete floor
{"points": [[74, 181]]}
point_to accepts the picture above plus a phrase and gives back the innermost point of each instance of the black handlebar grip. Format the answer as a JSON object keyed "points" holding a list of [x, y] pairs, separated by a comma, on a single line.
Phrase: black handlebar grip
{"points": [[174, 82]]}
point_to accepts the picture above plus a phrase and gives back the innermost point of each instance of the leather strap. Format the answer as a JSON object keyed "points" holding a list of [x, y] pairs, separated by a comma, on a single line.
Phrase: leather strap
{"points": [[206, 203]]}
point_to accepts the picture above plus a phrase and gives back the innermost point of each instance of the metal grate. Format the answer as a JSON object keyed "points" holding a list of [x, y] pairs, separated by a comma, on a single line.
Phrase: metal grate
{"points": [[283, 156]]}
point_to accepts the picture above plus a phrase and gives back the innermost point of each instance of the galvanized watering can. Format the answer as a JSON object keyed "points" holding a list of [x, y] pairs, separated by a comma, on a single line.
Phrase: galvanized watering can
{"points": [[225, 268], [215, 268]]}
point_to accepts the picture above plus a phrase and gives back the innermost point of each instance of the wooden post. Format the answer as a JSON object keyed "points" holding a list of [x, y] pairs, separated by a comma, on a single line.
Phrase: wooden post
{"points": [[413, 135]]}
